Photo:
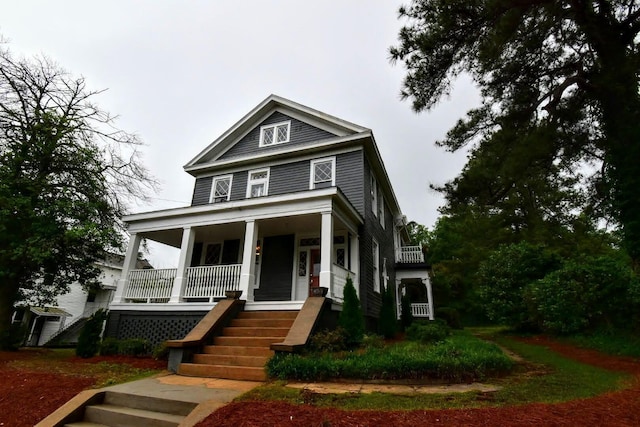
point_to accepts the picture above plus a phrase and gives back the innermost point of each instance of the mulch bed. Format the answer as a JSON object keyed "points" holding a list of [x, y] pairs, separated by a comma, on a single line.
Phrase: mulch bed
{"points": [[26, 397], [621, 408]]}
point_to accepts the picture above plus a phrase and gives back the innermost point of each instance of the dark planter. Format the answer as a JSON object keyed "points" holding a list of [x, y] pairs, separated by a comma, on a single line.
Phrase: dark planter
{"points": [[318, 292], [233, 294]]}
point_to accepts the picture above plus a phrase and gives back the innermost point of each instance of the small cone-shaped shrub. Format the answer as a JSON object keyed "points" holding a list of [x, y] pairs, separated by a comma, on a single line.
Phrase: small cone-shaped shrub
{"points": [[351, 318], [406, 316], [89, 339], [387, 323]]}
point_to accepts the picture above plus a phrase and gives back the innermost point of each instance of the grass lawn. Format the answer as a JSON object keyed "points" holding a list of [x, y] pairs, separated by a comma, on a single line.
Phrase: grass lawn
{"points": [[543, 376]]}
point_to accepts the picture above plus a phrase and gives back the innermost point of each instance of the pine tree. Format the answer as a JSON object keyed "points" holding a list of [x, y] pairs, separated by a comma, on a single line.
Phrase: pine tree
{"points": [[387, 322]]}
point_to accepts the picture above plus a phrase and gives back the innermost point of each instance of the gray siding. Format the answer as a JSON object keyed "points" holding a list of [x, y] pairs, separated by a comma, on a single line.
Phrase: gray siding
{"points": [[300, 133], [371, 300], [239, 186], [289, 178], [350, 176], [202, 191]]}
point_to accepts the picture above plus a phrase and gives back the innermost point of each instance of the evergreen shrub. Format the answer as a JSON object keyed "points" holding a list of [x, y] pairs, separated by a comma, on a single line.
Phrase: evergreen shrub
{"points": [[351, 318], [89, 339], [387, 322], [406, 316], [428, 332]]}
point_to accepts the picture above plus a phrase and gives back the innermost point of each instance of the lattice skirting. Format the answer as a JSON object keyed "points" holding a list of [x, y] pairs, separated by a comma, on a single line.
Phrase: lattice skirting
{"points": [[153, 326]]}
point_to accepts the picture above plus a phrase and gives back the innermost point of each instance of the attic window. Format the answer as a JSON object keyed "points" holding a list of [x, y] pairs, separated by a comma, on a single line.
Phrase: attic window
{"points": [[277, 133]]}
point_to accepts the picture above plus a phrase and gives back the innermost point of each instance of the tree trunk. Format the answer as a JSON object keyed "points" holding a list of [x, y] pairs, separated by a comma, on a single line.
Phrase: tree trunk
{"points": [[8, 296]]}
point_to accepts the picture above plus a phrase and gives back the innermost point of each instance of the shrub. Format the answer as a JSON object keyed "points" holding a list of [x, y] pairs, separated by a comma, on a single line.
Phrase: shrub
{"points": [[406, 316], [351, 319], [134, 347], [450, 315], [13, 337], [161, 351], [89, 339], [387, 322], [427, 333], [585, 294], [503, 277], [109, 347], [329, 340], [372, 341]]}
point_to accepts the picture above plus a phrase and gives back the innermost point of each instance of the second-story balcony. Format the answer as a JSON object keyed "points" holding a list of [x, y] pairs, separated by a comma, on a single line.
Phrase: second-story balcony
{"points": [[410, 255]]}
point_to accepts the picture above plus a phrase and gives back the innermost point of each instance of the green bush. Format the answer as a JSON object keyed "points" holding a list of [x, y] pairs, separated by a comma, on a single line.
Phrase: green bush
{"points": [[13, 338], [134, 347], [328, 340], [387, 321], [585, 294], [161, 351], [503, 277], [89, 339], [427, 333], [450, 315], [372, 341], [109, 347], [406, 315], [462, 357], [351, 319]]}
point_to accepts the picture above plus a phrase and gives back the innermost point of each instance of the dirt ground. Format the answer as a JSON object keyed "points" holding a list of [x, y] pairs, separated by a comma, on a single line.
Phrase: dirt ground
{"points": [[621, 408], [29, 395]]}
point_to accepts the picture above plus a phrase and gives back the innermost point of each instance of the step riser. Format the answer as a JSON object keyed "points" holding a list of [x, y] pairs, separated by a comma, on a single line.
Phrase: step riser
{"points": [[255, 332], [267, 315], [262, 323], [149, 403], [238, 351], [227, 372], [246, 341], [211, 359], [111, 417]]}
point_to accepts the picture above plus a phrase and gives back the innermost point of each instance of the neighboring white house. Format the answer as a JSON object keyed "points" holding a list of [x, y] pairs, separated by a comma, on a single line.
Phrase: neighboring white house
{"points": [[64, 320]]}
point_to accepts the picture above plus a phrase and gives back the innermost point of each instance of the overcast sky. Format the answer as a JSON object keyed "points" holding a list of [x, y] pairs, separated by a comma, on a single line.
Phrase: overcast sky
{"points": [[180, 73]]}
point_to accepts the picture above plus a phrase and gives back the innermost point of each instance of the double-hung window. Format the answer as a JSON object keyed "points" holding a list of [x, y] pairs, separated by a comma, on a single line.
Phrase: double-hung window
{"points": [[258, 183], [323, 173], [277, 133], [374, 195], [221, 189], [376, 266], [381, 210]]}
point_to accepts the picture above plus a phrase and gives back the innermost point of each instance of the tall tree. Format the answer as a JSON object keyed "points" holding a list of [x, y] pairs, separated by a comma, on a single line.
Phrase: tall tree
{"points": [[66, 175], [559, 86]]}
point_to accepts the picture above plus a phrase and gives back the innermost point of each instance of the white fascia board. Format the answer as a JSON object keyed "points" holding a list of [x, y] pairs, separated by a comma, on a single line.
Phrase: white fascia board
{"points": [[280, 152], [303, 203], [387, 180], [267, 106]]}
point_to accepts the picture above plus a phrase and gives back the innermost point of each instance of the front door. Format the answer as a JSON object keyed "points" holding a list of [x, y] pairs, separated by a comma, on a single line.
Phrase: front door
{"points": [[314, 268]]}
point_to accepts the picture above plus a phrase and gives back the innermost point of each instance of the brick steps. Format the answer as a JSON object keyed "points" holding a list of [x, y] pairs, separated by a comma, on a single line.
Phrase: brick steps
{"points": [[243, 349]]}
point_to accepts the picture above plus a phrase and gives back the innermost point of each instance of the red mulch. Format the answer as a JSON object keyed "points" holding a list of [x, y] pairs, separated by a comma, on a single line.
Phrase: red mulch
{"points": [[26, 397], [621, 408]]}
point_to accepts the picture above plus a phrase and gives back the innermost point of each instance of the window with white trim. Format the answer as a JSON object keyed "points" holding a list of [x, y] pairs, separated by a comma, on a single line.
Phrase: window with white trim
{"points": [[374, 195], [381, 210], [376, 266], [221, 189], [323, 173], [258, 183], [277, 133]]}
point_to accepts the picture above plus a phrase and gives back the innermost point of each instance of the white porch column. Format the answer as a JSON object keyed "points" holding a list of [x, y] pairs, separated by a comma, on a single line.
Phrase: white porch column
{"points": [[248, 269], [427, 283], [326, 250], [355, 261], [130, 259], [186, 251]]}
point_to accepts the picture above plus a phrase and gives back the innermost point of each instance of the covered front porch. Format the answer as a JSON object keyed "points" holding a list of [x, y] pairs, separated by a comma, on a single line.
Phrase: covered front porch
{"points": [[273, 250]]}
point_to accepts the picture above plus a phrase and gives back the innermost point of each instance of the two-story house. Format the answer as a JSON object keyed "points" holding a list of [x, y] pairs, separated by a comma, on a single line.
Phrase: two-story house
{"points": [[287, 200]]}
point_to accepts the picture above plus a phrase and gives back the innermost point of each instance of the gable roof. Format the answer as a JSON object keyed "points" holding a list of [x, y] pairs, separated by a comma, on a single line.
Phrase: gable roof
{"points": [[271, 104]]}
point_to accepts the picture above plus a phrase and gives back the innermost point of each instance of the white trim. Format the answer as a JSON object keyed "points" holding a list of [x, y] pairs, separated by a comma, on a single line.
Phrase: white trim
{"points": [[275, 127], [375, 247], [259, 181], [213, 187], [312, 174]]}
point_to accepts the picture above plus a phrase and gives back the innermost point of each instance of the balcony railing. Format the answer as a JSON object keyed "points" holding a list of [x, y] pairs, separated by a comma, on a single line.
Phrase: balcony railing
{"points": [[150, 285], [206, 282], [409, 255], [420, 309], [211, 281]]}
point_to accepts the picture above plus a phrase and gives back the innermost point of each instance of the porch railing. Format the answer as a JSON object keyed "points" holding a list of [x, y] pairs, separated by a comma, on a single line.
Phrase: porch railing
{"points": [[340, 275], [211, 281], [150, 285], [420, 309], [409, 255]]}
